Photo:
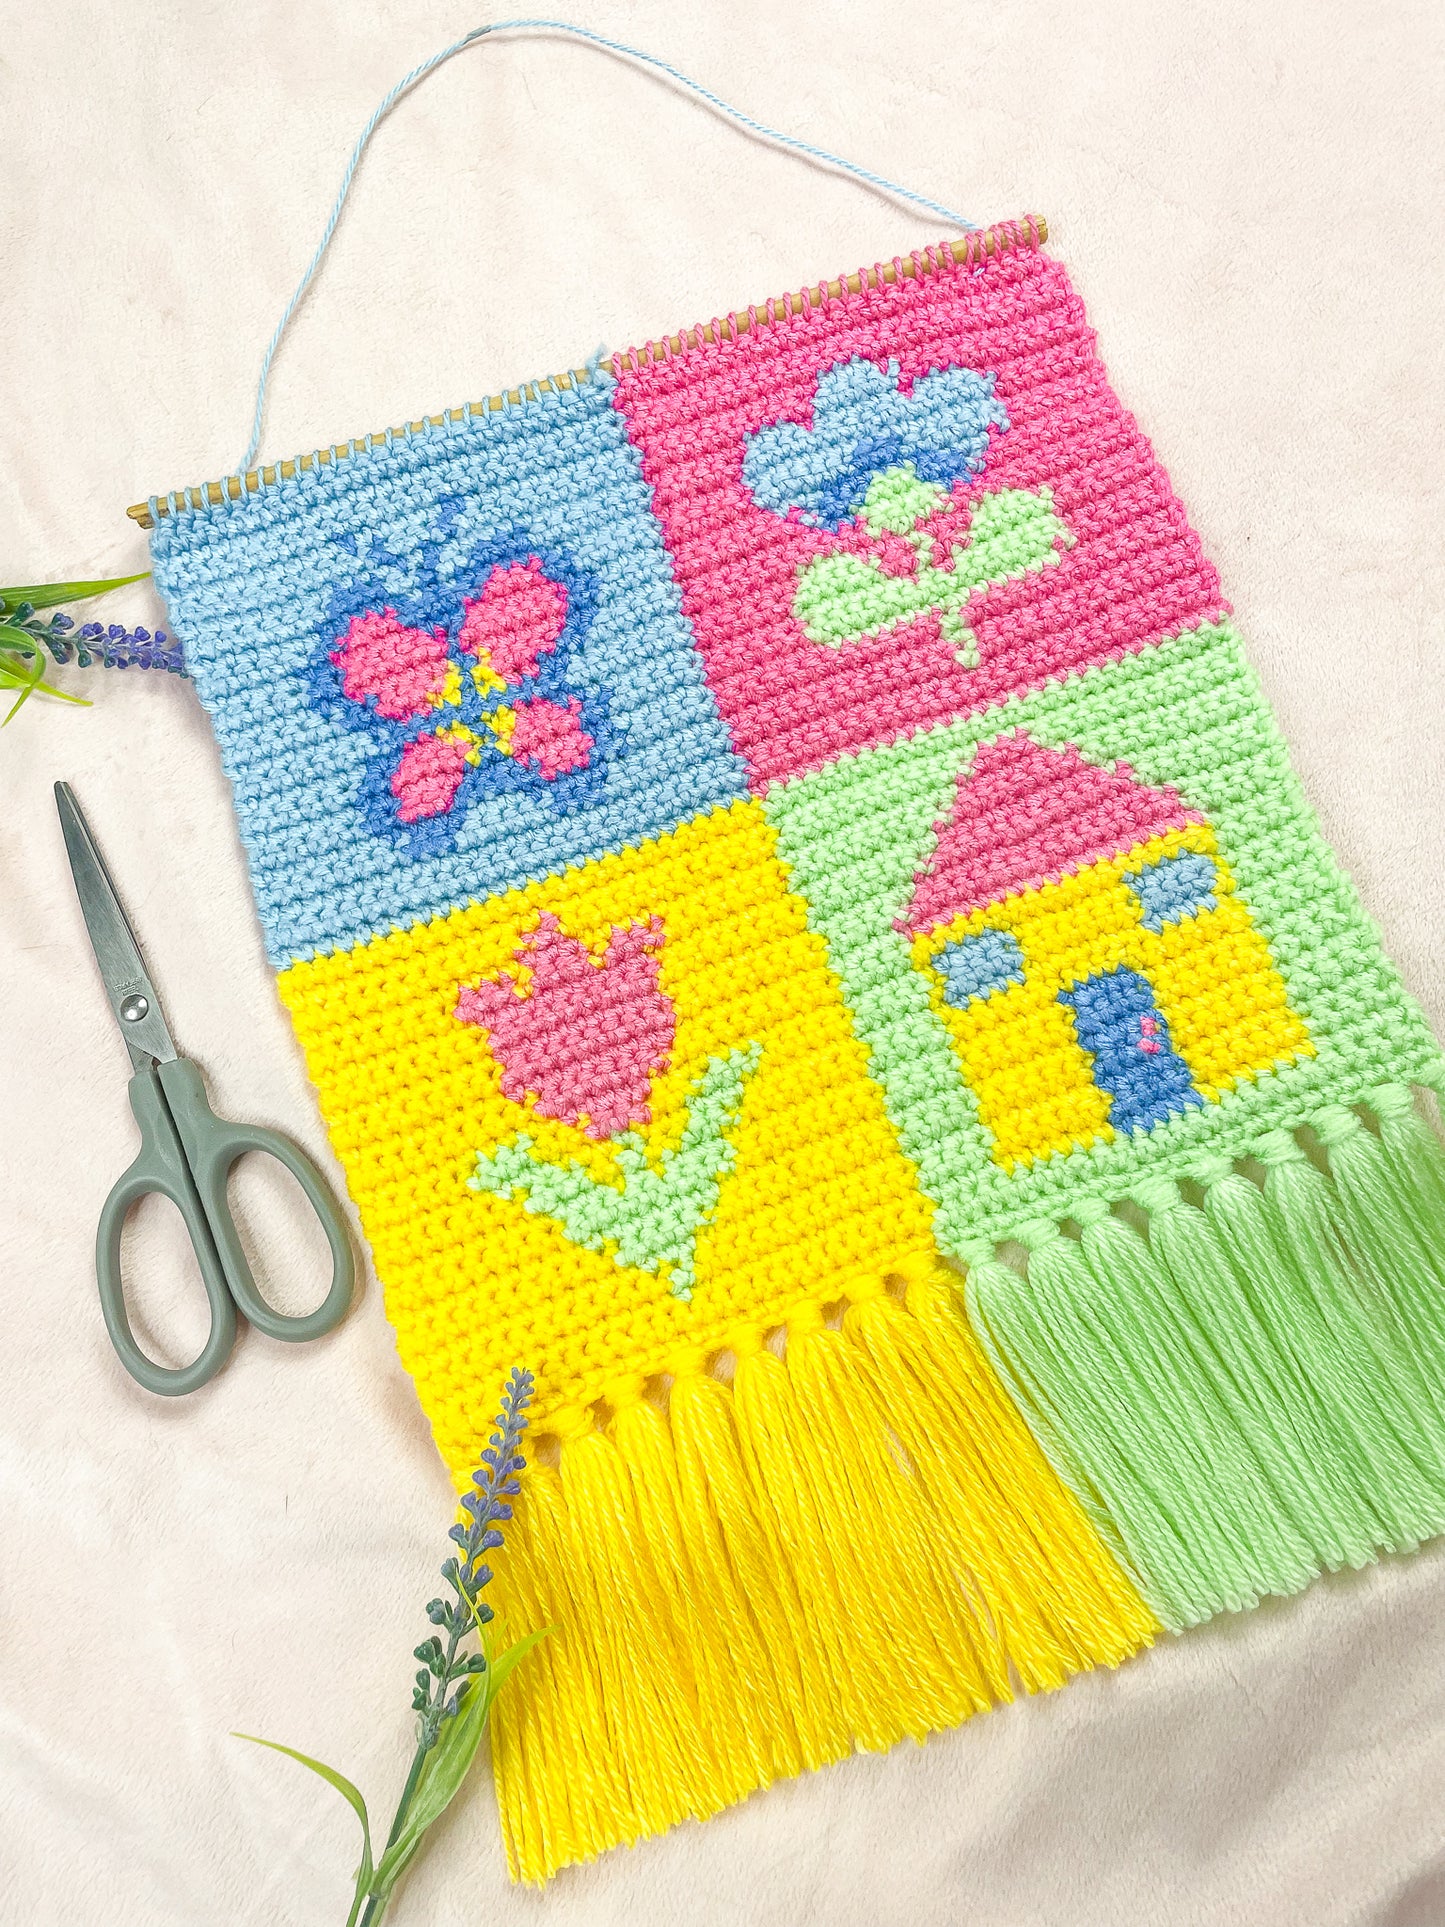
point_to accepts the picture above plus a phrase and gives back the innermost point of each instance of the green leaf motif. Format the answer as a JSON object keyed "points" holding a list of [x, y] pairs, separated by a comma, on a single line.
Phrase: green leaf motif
{"points": [[842, 597], [653, 1217]]}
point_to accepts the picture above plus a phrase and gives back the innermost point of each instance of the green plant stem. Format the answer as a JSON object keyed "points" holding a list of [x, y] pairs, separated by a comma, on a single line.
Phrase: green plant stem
{"points": [[375, 1905], [431, 1726]]}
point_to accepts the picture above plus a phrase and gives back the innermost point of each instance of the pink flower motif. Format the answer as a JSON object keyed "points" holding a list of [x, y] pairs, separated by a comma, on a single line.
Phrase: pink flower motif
{"points": [[428, 775], [516, 619], [549, 738], [582, 1040], [395, 667]]}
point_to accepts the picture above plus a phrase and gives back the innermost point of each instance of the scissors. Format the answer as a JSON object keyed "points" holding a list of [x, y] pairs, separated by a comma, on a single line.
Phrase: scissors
{"points": [[186, 1153]]}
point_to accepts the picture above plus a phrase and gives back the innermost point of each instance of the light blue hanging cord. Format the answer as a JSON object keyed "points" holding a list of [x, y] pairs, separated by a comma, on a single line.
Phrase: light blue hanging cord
{"points": [[565, 27]]}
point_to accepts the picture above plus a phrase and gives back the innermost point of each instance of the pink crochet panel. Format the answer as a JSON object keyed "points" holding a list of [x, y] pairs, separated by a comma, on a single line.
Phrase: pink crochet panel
{"points": [[1128, 570]]}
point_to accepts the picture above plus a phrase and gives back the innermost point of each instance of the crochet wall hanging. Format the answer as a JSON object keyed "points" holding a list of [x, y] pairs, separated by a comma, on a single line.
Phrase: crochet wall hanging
{"points": [[807, 937]]}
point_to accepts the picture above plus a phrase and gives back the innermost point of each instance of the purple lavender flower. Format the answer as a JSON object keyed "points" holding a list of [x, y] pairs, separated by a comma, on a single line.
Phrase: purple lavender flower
{"points": [[30, 641], [113, 646], [487, 1508], [120, 648]]}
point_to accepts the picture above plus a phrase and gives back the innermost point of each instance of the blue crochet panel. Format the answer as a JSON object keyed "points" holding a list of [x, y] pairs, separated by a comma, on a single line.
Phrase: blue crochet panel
{"points": [[444, 667]]}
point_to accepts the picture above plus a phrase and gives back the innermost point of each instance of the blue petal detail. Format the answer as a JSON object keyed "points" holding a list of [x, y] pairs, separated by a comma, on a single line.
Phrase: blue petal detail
{"points": [[1117, 1022], [862, 427], [1175, 887], [977, 966]]}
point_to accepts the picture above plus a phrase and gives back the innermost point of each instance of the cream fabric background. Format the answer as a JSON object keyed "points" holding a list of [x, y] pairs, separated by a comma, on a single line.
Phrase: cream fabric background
{"points": [[1249, 198]]}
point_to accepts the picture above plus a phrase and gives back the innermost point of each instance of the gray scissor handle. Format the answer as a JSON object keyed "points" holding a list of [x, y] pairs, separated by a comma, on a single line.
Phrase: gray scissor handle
{"points": [[213, 1146], [187, 1154], [160, 1166]]}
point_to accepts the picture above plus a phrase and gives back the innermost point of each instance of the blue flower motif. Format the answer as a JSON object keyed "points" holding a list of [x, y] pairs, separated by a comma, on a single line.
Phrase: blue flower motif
{"points": [[863, 425]]}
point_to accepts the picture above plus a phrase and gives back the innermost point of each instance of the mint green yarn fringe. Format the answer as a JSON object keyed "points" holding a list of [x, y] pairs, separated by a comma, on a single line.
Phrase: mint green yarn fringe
{"points": [[1247, 1389]]}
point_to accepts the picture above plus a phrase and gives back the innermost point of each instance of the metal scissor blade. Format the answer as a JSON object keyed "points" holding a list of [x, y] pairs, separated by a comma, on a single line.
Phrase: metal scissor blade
{"points": [[132, 995]]}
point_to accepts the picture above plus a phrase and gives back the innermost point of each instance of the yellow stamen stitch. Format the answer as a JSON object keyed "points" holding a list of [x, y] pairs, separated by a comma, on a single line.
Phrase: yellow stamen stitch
{"points": [[459, 733], [449, 695], [502, 721], [484, 678]]}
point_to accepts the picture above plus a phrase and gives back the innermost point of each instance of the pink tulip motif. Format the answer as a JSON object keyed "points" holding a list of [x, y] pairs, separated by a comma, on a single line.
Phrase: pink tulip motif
{"points": [[478, 701], [579, 1037]]}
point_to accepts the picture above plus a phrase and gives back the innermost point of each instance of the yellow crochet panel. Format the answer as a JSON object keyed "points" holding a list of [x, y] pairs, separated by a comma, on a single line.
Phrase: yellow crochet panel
{"points": [[816, 1190], [1216, 988]]}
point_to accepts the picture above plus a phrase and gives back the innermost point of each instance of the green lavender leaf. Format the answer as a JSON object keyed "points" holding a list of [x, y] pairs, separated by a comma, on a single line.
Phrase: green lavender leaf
{"points": [[353, 1798], [25, 679], [507, 1662], [447, 1764], [22, 667], [47, 595]]}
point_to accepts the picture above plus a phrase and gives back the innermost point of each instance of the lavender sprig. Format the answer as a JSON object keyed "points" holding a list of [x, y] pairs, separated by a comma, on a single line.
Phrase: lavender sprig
{"points": [[487, 1507], [29, 642], [113, 646], [455, 1687]]}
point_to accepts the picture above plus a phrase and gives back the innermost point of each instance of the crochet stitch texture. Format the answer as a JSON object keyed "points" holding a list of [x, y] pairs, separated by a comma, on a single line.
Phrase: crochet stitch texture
{"points": [[807, 937]]}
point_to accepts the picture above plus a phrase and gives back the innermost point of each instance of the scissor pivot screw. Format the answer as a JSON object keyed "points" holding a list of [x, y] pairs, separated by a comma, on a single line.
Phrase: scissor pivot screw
{"points": [[135, 1007]]}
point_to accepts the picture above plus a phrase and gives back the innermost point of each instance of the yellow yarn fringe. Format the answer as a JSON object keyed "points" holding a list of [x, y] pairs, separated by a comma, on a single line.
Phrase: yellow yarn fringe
{"points": [[852, 1543]]}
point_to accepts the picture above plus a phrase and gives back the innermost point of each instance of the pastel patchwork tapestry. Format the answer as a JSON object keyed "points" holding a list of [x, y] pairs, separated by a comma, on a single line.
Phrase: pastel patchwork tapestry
{"points": [[807, 937]]}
